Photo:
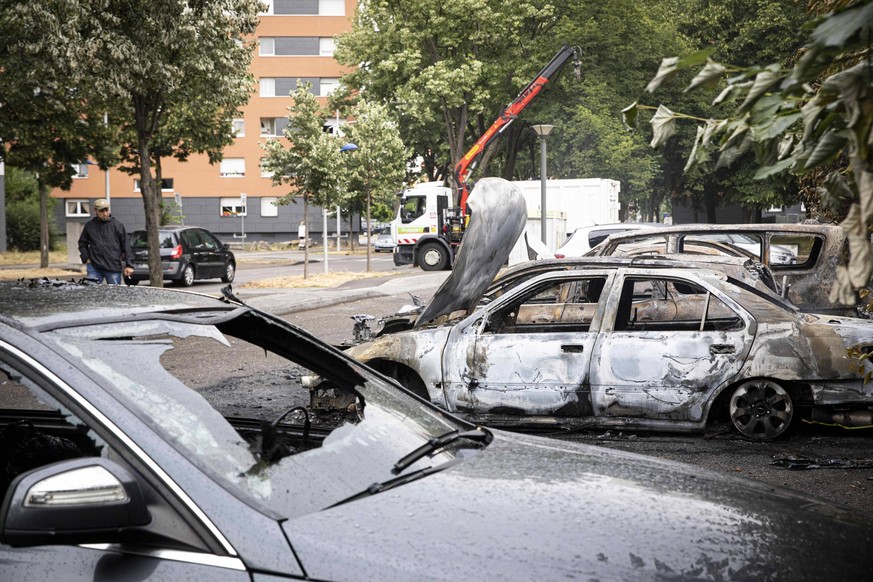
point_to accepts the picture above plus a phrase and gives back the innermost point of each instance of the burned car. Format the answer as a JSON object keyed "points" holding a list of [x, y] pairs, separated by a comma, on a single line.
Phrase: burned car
{"points": [[122, 460], [637, 343], [636, 346], [803, 257]]}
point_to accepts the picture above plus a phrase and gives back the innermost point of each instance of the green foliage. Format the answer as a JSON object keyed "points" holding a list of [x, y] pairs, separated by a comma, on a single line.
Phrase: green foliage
{"points": [[22, 226], [21, 186], [800, 119]]}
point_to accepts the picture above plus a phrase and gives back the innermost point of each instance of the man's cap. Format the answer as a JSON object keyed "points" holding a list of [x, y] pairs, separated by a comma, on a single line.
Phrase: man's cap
{"points": [[101, 203]]}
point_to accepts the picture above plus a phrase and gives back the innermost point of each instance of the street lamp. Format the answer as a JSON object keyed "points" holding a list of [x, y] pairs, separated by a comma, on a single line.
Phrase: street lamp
{"points": [[542, 131]]}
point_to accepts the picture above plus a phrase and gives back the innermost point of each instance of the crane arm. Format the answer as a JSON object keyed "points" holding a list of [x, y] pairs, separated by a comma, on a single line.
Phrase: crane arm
{"points": [[467, 163]]}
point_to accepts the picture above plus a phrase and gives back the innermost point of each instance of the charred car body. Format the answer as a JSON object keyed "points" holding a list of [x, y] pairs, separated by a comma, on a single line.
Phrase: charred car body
{"points": [[803, 256], [632, 344], [117, 465]]}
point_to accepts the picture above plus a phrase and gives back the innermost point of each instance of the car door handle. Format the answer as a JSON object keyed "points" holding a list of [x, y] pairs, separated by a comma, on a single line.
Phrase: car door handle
{"points": [[716, 349], [572, 348]]}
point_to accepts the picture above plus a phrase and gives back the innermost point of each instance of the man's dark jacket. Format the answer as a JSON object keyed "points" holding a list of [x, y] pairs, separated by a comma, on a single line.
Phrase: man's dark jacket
{"points": [[105, 243]]}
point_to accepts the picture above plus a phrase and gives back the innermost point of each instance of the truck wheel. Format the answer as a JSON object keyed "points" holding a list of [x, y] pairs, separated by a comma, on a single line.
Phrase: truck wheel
{"points": [[433, 257]]}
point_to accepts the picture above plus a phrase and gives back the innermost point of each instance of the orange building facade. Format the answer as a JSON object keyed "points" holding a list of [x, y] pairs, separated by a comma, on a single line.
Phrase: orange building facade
{"points": [[295, 40]]}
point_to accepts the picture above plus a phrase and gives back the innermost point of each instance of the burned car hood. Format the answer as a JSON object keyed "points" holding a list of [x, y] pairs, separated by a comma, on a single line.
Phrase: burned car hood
{"points": [[497, 218], [628, 517]]}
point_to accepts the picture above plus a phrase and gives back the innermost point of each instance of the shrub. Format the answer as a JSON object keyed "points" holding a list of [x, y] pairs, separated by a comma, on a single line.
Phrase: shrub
{"points": [[22, 226]]}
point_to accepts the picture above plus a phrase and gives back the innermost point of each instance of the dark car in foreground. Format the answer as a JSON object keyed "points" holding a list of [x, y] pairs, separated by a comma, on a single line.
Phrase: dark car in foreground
{"points": [[188, 253], [122, 461]]}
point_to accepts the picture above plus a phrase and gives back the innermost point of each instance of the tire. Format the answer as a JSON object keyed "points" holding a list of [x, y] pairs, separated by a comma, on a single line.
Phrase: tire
{"points": [[433, 257], [761, 409], [229, 273], [187, 278]]}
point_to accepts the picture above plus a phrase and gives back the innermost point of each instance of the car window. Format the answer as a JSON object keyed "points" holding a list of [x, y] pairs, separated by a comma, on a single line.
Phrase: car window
{"points": [[189, 379], [568, 305], [413, 207], [208, 241], [751, 245], [661, 304], [794, 251], [166, 240]]}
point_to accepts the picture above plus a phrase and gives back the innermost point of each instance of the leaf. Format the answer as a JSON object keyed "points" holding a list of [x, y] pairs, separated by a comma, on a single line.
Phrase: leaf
{"points": [[629, 116], [695, 58], [763, 82], [732, 91], [774, 127], [835, 30], [781, 166], [829, 145], [666, 71], [731, 153], [708, 76], [698, 154], [663, 126]]}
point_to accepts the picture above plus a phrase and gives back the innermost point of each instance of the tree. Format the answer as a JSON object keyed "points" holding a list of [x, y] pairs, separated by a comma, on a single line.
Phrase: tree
{"points": [[312, 162], [410, 56], [175, 72], [797, 119], [376, 169], [49, 119]]}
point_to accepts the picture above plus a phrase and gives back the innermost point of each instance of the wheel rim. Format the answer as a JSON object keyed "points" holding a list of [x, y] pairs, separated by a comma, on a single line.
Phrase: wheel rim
{"points": [[432, 257], [189, 275], [229, 273], [761, 410]]}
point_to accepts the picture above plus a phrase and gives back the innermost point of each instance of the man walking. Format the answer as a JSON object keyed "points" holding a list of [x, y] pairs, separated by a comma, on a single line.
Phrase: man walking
{"points": [[104, 247]]}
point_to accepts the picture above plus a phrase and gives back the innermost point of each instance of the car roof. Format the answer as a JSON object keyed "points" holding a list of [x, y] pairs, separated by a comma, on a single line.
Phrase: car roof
{"points": [[51, 303], [728, 228]]}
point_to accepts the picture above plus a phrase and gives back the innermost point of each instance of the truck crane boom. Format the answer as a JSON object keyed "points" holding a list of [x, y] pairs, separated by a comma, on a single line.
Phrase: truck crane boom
{"points": [[467, 164]]}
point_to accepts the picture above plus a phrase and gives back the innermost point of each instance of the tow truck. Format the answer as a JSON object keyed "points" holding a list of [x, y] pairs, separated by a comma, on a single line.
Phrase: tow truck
{"points": [[428, 229]]}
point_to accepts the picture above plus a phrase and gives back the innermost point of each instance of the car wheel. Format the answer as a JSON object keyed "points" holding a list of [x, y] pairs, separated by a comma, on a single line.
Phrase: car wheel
{"points": [[761, 409], [187, 278], [433, 257], [229, 273]]}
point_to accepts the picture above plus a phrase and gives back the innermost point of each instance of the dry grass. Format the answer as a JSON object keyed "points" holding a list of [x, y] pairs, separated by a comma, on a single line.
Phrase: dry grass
{"points": [[314, 280], [51, 273], [31, 257]]}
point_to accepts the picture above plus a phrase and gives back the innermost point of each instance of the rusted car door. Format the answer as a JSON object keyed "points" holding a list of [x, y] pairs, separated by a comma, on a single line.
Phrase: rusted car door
{"points": [[666, 344], [530, 354]]}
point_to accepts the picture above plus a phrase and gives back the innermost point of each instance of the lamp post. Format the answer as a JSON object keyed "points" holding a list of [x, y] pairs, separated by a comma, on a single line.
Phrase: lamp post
{"points": [[543, 131]]}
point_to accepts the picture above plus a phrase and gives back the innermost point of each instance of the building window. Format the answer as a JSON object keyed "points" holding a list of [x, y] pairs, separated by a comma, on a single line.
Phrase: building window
{"points": [[166, 185], [283, 86], [78, 208], [232, 168], [327, 86], [80, 170], [305, 7], [232, 207], [273, 126], [295, 46], [269, 206], [239, 127]]}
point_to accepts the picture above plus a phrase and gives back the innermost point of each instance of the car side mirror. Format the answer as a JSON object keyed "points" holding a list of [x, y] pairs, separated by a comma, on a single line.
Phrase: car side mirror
{"points": [[79, 501], [225, 246]]}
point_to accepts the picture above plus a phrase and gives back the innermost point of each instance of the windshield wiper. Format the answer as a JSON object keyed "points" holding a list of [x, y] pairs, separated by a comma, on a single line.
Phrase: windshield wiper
{"points": [[396, 482], [432, 445]]}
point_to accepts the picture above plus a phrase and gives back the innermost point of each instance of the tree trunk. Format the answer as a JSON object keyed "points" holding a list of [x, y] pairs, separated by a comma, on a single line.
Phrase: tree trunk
{"points": [[369, 234], [305, 236], [150, 190], [44, 241]]}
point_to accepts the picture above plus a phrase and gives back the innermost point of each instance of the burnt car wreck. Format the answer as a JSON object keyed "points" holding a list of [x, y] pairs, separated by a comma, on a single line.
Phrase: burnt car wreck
{"points": [[639, 343]]}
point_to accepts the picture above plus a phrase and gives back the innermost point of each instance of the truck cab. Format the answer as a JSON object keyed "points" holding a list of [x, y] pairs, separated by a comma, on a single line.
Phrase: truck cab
{"points": [[424, 226]]}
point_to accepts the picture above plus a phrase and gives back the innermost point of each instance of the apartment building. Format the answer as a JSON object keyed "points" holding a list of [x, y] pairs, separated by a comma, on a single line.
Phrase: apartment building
{"points": [[234, 199]]}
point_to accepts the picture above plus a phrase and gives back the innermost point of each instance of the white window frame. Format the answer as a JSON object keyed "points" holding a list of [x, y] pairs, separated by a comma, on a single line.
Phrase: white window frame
{"points": [[331, 7], [327, 86], [267, 86], [239, 126], [269, 206], [268, 126], [232, 207], [77, 208], [136, 187], [267, 46], [232, 168], [326, 46]]}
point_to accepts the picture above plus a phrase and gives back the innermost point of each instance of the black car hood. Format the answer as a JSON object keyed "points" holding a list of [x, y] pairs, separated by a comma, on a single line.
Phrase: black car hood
{"points": [[497, 218], [527, 509]]}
